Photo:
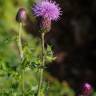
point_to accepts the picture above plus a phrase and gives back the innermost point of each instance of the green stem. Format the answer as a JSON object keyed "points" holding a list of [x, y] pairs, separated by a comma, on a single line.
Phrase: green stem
{"points": [[21, 53], [41, 69], [23, 82], [19, 41], [2, 91]]}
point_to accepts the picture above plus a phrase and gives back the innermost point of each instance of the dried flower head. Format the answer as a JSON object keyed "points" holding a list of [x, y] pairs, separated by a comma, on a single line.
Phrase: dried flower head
{"points": [[47, 9], [21, 15]]}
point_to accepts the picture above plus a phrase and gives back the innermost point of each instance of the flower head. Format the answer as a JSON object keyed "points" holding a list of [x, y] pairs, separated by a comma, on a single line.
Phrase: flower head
{"points": [[47, 9]]}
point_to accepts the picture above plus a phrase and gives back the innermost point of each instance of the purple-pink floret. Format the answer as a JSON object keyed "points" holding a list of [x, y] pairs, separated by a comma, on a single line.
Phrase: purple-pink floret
{"points": [[47, 9]]}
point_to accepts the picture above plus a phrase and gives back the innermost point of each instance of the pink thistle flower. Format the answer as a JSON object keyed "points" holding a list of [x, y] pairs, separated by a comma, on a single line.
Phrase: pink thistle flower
{"points": [[47, 9]]}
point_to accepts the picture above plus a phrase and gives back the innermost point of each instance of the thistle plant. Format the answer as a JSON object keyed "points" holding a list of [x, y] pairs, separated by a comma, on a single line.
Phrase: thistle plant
{"points": [[48, 11], [19, 76], [21, 18]]}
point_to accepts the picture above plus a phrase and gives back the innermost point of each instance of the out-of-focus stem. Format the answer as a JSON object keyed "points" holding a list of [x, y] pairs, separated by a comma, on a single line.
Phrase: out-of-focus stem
{"points": [[19, 41], [23, 82], [21, 54]]}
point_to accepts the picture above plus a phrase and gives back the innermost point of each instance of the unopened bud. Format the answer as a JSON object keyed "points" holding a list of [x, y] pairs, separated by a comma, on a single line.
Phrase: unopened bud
{"points": [[21, 15], [87, 89]]}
